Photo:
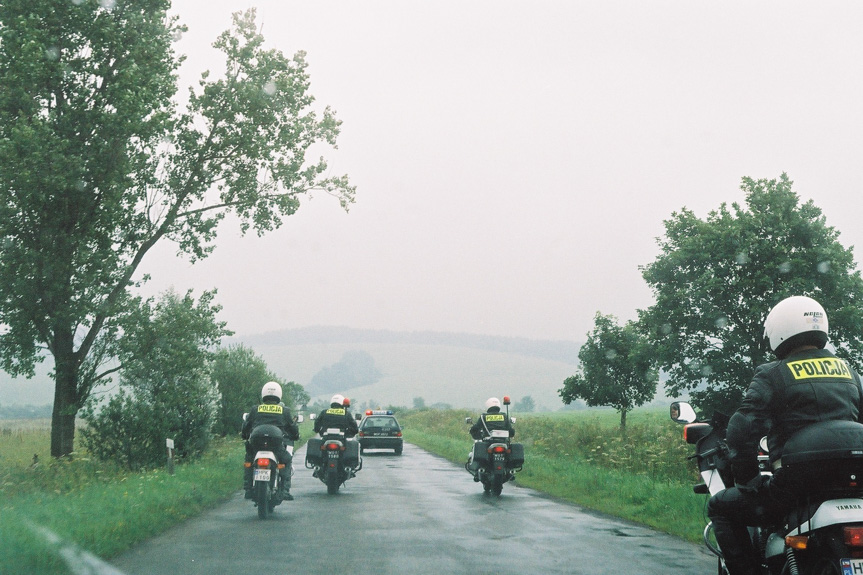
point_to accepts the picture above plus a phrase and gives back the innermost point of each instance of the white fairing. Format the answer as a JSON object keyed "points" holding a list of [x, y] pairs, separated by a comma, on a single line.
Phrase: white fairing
{"points": [[266, 454], [832, 512], [713, 481]]}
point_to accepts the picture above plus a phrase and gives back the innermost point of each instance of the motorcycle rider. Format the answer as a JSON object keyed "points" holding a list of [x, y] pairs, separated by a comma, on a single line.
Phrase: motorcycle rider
{"points": [[805, 385], [270, 414], [338, 416], [491, 419]]}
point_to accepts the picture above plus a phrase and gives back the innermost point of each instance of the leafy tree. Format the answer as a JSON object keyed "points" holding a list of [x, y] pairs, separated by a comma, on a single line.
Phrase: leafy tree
{"points": [[716, 279], [98, 163], [166, 391], [526, 405], [419, 403], [239, 375], [616, 368]]}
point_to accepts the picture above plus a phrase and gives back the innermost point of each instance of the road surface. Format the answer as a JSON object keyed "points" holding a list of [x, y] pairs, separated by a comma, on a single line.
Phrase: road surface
{"points": [[415, 514]]}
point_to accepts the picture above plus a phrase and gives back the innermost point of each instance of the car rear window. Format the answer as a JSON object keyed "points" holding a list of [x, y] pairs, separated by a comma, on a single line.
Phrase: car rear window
{"points": [[382, 422]]}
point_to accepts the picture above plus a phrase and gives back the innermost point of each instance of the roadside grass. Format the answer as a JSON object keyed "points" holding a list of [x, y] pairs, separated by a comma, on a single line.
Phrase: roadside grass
{"points": [[101, 509], [642, 476]]}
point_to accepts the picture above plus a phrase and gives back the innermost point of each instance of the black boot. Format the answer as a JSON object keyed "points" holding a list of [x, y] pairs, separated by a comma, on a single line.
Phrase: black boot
{"points": [[247, 483], [285, 493]]}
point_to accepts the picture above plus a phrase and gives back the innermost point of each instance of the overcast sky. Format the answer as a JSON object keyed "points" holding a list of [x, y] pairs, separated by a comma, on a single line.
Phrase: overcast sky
{"points": [[514, 161]]}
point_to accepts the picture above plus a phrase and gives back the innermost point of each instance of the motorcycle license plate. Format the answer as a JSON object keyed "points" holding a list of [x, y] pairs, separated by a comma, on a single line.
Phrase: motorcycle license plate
{"points": [[262, 474], [851, 566]]}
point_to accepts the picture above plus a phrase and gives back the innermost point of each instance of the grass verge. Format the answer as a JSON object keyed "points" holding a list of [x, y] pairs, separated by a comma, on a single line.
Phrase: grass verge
{"points": [[103, 511]]}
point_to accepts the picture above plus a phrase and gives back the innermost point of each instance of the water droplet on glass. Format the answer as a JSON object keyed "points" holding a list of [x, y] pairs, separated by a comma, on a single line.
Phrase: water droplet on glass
{"points": [[665, 329], [610, 354], [107, 4], [784, 267], [721, 322], [52, 53], [270, 88], [742, 258], [824, 267]]}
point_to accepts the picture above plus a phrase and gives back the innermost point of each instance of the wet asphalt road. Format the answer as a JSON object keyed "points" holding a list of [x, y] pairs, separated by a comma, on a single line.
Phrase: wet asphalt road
{"points": [[416, 514]]}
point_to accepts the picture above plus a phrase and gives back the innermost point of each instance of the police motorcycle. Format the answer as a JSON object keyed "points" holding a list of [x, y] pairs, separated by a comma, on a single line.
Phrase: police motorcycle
{"points": [[495, 459], [334, 458], [822, 533], [266, 480]]}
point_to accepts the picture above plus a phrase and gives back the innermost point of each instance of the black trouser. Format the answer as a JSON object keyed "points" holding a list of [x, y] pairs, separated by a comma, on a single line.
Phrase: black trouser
{"points": [[732, 511], [261, 438]]}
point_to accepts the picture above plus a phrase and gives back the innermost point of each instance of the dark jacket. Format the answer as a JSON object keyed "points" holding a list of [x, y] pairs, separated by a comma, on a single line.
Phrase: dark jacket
{"points": [[784, 397], [336, 416], [492, 419], [276, 414]]}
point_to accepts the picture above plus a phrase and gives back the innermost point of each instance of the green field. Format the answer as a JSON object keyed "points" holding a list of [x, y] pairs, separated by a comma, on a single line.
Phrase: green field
{"points": [[581, 457]]}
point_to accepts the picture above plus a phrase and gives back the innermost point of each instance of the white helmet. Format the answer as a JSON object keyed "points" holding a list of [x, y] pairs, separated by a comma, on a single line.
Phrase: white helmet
{"points": [[797, 320], [271, 389], [492, 402], [340, 399]]}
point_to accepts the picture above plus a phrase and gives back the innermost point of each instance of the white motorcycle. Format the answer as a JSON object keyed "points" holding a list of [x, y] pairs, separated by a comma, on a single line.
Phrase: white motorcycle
{"points": [[823, 533]]}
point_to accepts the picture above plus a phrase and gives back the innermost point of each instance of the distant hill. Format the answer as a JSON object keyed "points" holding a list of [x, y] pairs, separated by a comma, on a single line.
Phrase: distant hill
{"points": [[457, 369], [388, 368], [564, 351]]}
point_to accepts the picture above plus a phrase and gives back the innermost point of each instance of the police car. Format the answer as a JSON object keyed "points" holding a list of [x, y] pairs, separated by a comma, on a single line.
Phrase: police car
{"points": [[380, 430]]}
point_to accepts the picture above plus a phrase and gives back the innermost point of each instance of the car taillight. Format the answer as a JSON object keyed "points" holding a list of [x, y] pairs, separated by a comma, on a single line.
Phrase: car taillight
{"points": [[853, 536], [263, 462], [398, 433], [361, 434]]}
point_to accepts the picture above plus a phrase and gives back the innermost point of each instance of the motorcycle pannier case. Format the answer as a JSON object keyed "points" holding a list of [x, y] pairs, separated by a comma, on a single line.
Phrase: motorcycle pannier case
{"points": [[516, 456], [480, 453], [824, 457], [352, 453], [313, 451]]}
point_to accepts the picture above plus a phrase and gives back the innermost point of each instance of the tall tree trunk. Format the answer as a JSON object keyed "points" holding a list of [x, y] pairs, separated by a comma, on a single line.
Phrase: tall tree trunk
{"points": [[623, 419], [66, 400]]}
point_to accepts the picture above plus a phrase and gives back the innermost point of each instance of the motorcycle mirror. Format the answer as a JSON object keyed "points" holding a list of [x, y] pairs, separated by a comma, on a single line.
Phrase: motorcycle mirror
{"points": [[245, 416], [468, 420], [312, 416], [763, 444], [299, 418], [682, 412], [512, 420]]}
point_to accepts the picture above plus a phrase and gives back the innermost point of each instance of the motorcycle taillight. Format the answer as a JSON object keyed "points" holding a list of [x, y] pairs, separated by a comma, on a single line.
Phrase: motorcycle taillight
{"points": [[332, 447], [853, 536], [263, 462], [497, 449]]}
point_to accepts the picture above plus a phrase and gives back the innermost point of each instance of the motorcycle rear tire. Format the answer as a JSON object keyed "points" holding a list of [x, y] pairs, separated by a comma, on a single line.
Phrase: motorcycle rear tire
{"points": [[333, 484], [262, 499], [497, 486]]}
